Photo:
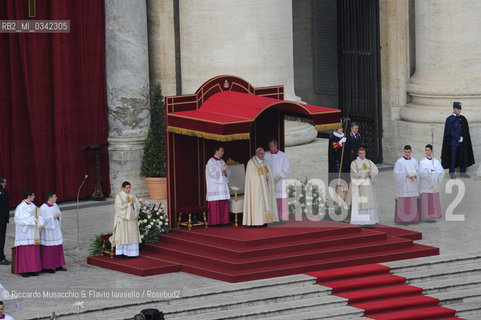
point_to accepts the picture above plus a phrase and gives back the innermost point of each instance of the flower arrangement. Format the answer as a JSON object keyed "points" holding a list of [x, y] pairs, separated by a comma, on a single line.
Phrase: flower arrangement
{"points": [[309, 195], [153, 221]]}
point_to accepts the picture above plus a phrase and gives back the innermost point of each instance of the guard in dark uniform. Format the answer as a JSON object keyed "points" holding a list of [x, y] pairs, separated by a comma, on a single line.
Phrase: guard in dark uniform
{"points": [[457, 149], [336, 144]]}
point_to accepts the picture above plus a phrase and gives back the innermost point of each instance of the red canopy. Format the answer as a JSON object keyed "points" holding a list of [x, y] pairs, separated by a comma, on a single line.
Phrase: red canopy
{"points": [[229, 115], [228, 109]]}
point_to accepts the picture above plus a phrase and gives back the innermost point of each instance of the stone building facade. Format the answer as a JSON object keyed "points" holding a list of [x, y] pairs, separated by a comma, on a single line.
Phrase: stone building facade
{"points": [[429, 58]]}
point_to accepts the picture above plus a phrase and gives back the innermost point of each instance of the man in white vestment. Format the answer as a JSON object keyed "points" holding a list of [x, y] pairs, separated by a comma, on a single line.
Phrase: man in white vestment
{"points": [[217, 177], [260, 205], [3, 315], [51, 239], [407, 191], [28, 222], [431, 175], [363, 174], [126, 235], [279, 165]]}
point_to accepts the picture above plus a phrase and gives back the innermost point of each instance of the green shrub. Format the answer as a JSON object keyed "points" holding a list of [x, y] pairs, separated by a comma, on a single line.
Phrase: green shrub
{"points": [[154, 157]]}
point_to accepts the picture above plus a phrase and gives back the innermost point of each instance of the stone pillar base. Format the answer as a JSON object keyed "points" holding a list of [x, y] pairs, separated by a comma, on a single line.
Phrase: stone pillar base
{"points": [[422, 113], [125, 156], [297, 133]]}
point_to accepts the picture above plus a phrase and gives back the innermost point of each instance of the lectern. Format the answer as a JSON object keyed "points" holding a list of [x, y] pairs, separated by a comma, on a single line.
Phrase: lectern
{"points": [[98, 193]]}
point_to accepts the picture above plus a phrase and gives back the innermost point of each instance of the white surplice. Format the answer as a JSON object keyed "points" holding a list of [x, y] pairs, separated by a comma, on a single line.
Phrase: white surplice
{"points": [[407, 178], [51, 233], [431, 174], [280, 168], [216, 180], [26, 224]]}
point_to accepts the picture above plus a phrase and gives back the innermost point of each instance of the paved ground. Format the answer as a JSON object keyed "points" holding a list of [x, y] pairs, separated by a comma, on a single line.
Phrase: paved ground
{"points": [[306, 161]]}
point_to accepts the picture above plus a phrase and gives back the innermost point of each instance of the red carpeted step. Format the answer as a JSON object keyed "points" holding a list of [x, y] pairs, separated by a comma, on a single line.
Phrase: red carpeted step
{"points": [[392, 305], [416, 314], [261, 272], [398, 232], [261, 249], [384, 280], [381, 293], [349, 272], [245, 236], [140, 266], [242, 254], [267, 259]]}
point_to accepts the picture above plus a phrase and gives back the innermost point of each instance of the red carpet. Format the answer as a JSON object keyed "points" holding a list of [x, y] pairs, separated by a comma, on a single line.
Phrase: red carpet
{"points": [[241, 254], [380, 294]]}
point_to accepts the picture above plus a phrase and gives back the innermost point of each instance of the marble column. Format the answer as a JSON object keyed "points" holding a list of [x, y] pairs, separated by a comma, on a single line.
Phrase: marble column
{"points": [[162, 44], [250, 38], [394, 29], [127, 73], [448, 68]]}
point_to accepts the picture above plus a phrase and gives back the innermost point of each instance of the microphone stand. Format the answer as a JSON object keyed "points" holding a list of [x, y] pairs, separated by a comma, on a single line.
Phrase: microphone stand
{"points": [[78, 224]]}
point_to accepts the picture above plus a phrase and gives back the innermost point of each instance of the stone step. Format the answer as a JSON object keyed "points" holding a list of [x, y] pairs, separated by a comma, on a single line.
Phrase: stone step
{"points": [[263, 311], [343, 313], [255, 286], [458, 296], [445, 285], [208, 295], [442, 272], [338, 313], [454, 279], [251, 300], [471, 311], [430, 262]]}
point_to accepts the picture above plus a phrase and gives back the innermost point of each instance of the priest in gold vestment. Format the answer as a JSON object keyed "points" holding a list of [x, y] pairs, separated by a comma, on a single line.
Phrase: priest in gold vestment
{"points": [[126, 235], [363, 178], [260, 205]]}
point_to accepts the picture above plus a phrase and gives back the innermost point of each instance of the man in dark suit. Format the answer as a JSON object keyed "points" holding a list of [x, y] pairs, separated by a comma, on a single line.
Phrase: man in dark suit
{"points": [[457, 149], [354, 141], [4, 218]]}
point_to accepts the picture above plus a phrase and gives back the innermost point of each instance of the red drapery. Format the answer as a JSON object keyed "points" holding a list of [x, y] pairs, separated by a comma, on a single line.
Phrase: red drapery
{"points": [[53, 100]]}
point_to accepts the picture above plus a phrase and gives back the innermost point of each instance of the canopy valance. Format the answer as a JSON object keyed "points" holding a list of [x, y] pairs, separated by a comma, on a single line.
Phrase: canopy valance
{"points": [[229, 115]]}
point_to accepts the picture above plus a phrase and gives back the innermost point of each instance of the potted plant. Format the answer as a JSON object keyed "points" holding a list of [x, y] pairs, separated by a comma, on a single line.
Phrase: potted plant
{"points": [[153, 167]]}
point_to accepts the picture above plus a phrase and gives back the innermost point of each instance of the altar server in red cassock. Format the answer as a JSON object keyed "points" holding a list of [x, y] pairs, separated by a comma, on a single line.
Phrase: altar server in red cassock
{"points": [[3, 315], [407, 190], [27, 236], [51, 240], [217, 177], [431, 174]]}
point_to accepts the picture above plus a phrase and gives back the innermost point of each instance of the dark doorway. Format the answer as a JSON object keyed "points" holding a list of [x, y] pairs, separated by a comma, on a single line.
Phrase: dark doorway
{"points": [[345, 60], [359, 70]]}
